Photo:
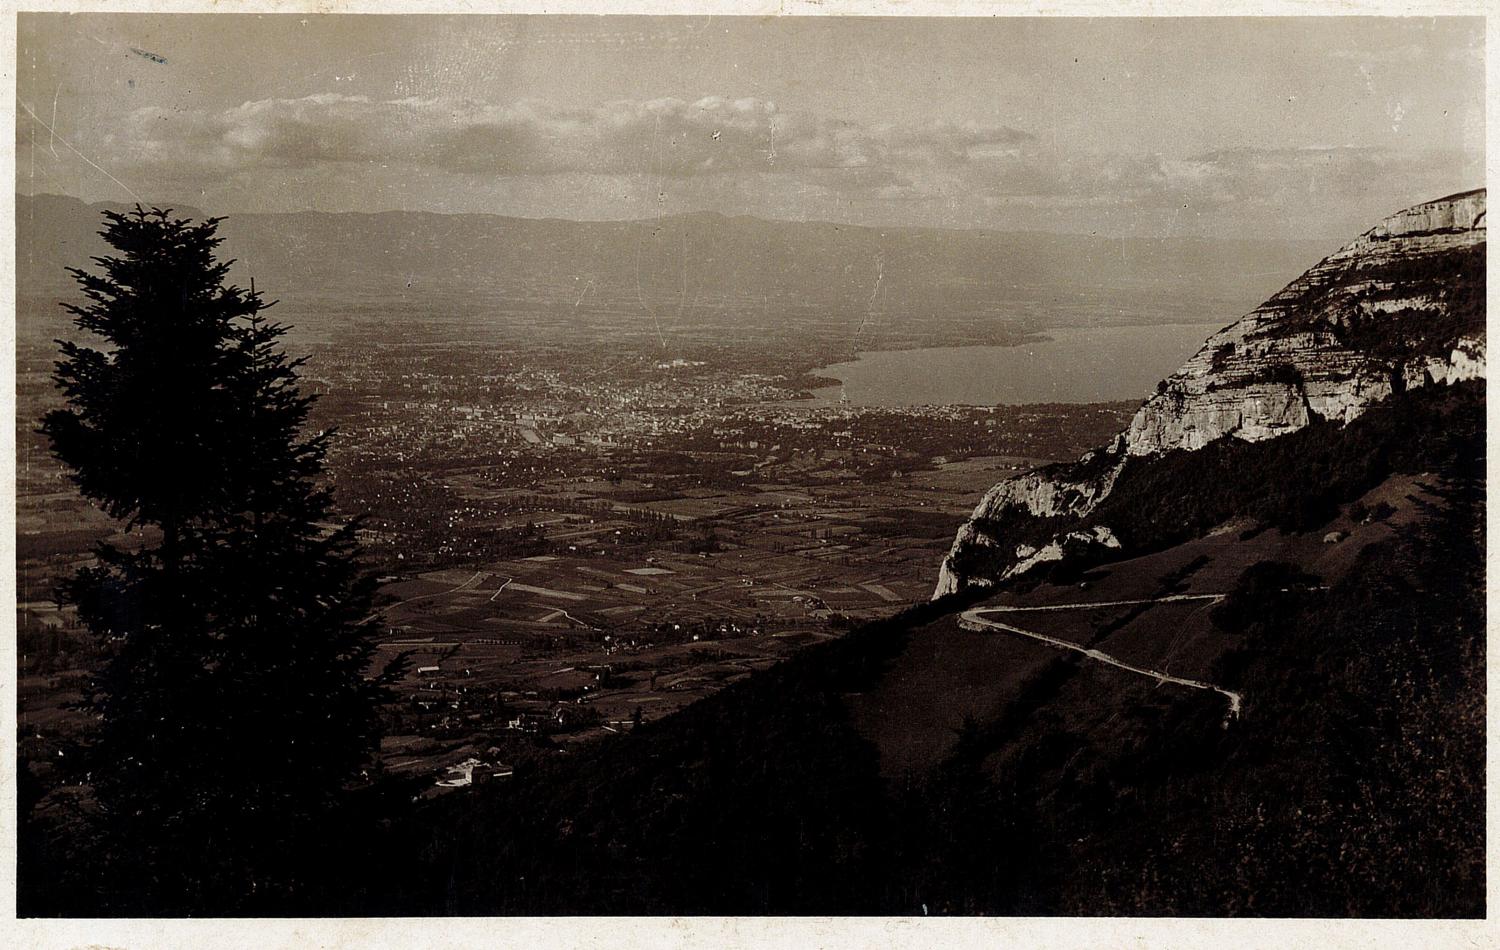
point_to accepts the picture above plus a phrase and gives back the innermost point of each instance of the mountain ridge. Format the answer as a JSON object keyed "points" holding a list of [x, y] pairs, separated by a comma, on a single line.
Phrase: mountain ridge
{"points": [[185, 209], [1393, 310]]}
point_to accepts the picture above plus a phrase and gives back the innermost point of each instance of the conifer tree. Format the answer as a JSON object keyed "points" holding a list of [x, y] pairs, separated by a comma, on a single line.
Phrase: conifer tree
{"points": [[235, 711]]}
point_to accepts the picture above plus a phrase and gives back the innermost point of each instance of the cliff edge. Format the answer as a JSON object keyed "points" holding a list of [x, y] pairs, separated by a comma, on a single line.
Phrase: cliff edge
{"points": [[1401, 307]]}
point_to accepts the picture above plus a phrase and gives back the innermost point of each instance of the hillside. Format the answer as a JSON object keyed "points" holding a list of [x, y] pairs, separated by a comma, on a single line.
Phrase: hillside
{"points": [[1041, 744]]}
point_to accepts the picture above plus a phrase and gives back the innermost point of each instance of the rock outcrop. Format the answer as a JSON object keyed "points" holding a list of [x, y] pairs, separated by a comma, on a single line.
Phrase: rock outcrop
{"points": [[1399, 308]]}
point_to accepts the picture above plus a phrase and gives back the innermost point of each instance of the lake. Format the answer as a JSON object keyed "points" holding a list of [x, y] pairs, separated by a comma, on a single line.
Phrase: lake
{"points": [[1076, 364]]}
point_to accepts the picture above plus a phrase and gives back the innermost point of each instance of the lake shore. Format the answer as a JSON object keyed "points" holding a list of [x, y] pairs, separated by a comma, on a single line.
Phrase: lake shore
{"points": [[1071, 365]]}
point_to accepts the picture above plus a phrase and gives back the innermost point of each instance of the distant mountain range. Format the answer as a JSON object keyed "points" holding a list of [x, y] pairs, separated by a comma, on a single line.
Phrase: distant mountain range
{"points": [[701, 268]]}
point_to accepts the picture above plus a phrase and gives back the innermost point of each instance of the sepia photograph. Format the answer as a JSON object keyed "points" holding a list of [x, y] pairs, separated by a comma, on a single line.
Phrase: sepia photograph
{"points": [[534, 465]]}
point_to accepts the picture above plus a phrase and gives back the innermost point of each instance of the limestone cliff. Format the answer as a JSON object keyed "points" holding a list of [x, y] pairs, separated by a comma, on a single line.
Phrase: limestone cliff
{"points": [[1399, 308]]}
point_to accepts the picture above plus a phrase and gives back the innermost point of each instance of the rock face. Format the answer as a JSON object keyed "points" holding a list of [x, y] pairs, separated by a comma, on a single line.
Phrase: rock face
{"points": [[1399, 308]]}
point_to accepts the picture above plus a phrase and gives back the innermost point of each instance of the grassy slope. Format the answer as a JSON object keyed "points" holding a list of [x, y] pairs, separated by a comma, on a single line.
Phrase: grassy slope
{"points": [[1353, 784]]}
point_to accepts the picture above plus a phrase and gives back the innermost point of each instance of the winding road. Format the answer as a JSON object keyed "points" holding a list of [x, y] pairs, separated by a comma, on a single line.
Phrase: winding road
{"points": [[501, 589], [974, 620]]}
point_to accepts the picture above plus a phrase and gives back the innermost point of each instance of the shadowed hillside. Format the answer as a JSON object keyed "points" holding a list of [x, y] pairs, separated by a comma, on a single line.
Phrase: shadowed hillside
{"points": [[916, 765]]}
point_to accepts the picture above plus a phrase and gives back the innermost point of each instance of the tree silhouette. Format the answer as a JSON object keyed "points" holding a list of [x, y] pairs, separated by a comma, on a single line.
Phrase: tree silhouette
{"points": [[234, 712]]}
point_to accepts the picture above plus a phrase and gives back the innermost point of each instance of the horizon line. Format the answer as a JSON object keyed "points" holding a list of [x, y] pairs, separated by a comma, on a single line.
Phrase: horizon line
{"points": [[703, 212]]}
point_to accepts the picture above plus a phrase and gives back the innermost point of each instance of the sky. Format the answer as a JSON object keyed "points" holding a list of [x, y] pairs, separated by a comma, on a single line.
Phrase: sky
{"points": [[1298, 128]]}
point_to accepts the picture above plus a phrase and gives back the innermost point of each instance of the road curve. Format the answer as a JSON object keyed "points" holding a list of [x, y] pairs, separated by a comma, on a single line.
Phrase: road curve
{"points": [[974, 620]]}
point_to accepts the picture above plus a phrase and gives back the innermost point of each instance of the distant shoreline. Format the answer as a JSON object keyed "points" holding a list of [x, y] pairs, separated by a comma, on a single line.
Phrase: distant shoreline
{"points": [[995, 370]]}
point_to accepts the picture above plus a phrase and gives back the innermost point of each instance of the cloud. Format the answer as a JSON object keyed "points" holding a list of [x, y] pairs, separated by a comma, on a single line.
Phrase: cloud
{"points": [[742, 154], [666, 137], [1274, 177]]}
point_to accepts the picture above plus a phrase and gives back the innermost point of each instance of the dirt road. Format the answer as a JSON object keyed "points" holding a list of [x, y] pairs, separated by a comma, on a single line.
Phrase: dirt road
{"points": [[974, 620]]}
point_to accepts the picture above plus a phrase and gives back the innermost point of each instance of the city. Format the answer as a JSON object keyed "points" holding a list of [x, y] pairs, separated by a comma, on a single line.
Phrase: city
{"points": [[570, 543]]}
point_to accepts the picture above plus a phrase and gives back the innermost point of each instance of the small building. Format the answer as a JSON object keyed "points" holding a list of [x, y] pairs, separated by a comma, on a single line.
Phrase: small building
{"points": [[526, 722]]}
